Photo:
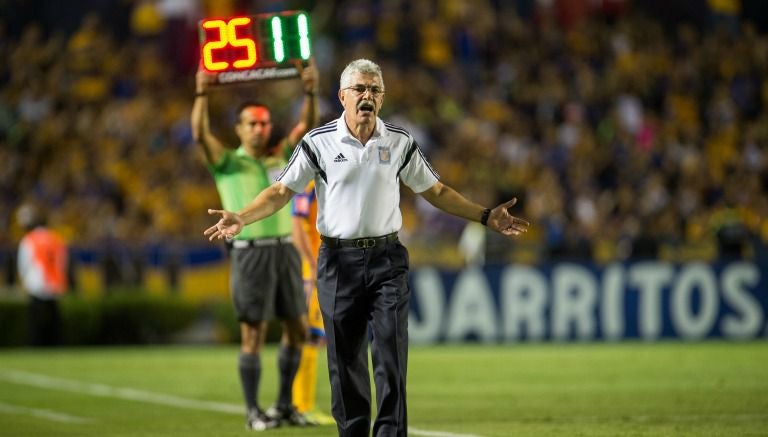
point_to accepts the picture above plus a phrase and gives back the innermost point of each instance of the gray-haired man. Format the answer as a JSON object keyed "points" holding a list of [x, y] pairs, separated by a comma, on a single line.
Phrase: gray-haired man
{"points": [[357, 162]]}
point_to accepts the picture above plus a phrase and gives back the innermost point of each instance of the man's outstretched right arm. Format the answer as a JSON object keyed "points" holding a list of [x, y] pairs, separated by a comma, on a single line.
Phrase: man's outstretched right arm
{"points": [[266, 203]]}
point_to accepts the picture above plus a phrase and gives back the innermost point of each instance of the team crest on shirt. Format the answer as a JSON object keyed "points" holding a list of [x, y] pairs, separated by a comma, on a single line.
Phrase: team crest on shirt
{"points": [[384, 155]]}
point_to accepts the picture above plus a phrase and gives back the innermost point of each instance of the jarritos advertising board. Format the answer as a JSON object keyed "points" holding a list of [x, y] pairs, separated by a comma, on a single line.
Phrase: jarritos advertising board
{"points": [[645, 300]]}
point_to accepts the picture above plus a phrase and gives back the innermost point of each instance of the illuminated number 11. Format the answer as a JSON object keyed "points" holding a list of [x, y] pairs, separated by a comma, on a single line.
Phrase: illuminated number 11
{"points": [[279, 43], [303, 36], [277, 35]]}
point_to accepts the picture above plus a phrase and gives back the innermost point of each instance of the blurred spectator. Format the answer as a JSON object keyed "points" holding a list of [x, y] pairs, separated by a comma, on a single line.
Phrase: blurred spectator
{"points": [[147, 22], [42, 264]]}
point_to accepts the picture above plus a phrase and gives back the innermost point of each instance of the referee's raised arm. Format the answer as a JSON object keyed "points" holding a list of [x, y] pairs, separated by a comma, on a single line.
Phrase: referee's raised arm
{"points": [[201, 126], [310, 111]]}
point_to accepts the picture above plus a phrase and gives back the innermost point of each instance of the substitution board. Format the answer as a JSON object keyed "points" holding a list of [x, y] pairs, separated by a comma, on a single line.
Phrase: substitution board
{"points": [[255, 47]]}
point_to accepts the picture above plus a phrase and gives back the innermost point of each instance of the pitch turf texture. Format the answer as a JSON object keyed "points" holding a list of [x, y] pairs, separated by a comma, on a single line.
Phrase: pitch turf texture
{"points": [[638, 389]]}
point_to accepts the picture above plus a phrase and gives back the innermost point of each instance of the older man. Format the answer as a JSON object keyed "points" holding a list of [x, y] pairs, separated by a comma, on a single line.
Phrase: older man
{"points": [[357, 162]]}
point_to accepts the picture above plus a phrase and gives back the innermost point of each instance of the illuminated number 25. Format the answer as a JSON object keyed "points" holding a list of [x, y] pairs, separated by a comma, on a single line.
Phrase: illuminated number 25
{"points": [[228, 36]]}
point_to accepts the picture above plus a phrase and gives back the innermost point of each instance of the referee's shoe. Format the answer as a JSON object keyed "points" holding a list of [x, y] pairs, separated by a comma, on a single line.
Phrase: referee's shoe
{"points": [[257, 420], [287, 414]]}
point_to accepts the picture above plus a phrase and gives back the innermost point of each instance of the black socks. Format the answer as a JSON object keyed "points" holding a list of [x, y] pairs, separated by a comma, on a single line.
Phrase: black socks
{"points": [[288, 362], [250, 374]]}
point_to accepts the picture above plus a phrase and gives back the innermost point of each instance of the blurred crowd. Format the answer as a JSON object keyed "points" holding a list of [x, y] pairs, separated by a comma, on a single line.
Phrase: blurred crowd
{"points": [[621, 133]]}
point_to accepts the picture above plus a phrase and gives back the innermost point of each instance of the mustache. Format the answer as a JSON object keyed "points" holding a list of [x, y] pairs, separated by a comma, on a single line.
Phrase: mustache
{"points": [[365, 104]]}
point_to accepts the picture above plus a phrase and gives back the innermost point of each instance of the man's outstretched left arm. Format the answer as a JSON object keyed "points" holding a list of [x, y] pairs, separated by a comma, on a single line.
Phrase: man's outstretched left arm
{"points": [[499, 219]]}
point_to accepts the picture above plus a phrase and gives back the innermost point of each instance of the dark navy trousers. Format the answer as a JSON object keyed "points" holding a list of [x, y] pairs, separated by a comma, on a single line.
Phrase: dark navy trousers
{"points": [[364, 295]]}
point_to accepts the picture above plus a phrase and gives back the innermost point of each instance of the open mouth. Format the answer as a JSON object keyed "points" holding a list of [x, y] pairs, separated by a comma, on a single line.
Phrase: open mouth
{"points": [[365, 107]]}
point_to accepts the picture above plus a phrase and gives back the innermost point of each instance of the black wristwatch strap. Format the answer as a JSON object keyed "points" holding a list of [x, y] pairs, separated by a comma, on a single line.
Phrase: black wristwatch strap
{"points": [[484, 217]]}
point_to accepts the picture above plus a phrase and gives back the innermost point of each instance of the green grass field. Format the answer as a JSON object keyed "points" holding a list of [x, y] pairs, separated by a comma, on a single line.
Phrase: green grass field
{"points": [[637, 389]]}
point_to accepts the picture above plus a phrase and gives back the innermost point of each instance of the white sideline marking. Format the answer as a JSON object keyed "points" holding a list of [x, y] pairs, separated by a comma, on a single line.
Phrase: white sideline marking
{"points": [[51, 382], [672, 418], [42, 414], [422, 432]]}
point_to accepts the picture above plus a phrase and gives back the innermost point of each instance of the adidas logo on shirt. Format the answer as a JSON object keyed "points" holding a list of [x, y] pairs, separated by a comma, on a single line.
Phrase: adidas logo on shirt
{"points": [[340, 158]]}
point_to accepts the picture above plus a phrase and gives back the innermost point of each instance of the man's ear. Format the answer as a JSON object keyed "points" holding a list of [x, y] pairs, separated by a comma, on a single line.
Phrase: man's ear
{"points": [[341, 97]]}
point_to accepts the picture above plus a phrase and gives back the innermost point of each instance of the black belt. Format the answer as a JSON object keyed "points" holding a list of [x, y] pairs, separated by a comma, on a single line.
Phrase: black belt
{"points": [[360, 243], [260, 242]]}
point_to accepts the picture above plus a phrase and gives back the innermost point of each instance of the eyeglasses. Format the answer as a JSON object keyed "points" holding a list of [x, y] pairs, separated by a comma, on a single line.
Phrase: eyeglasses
{"points": [[361, 89]]}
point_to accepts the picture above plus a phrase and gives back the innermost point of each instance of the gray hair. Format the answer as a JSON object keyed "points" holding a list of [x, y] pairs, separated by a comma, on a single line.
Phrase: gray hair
{"points": [[362, 66]]}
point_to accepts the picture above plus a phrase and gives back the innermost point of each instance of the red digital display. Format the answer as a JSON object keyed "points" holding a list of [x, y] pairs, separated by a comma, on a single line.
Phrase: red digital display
{"points": [[232, 45]]}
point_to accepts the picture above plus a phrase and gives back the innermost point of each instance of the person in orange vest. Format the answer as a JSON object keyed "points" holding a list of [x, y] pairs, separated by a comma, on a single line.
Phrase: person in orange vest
{"points": [[42, 264]]}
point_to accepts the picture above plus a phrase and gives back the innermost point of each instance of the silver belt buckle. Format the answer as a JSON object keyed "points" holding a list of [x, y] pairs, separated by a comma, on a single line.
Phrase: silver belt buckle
{"points": [[365, 243]]}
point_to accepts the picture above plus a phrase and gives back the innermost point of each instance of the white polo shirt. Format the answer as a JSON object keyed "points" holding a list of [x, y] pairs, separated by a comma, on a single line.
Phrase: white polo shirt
{"points": [[358, 186]]}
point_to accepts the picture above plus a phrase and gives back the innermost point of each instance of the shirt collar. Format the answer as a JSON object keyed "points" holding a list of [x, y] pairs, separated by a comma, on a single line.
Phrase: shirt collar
{"points": [[344, 134]]}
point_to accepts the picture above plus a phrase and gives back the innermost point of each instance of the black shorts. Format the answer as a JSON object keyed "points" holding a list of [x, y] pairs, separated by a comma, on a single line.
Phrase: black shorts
{"points": [[266, 283]]}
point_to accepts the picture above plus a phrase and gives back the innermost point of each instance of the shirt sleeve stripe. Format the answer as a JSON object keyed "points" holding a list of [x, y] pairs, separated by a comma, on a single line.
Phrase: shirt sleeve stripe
{"points": [[290, 161], [304, 147], [332, 122], [407, 157], [328, 127], [313, 159], [426, 161], [395, 128], [319, 131], [415, 147]]}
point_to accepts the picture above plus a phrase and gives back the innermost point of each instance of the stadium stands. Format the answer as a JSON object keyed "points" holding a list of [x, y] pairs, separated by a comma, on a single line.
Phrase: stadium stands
{"points": [[623, 136]]}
